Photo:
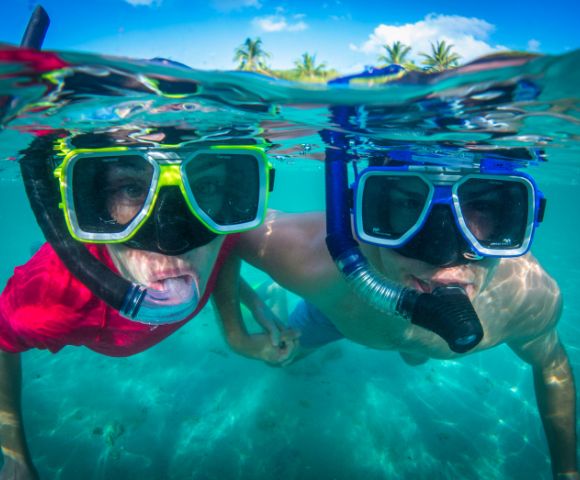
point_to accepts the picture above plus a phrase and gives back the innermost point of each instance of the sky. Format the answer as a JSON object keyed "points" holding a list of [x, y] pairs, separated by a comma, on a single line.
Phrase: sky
{"points": [[347, 35]]}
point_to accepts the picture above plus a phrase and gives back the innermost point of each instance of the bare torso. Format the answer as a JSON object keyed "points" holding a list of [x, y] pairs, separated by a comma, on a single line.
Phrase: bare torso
{"points": [[515, 299]]}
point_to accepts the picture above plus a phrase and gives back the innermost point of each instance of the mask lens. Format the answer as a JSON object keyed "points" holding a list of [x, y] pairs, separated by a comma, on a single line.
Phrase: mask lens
{"points": [[225, 187], [393, 204], [108, 193], [495, 211]]}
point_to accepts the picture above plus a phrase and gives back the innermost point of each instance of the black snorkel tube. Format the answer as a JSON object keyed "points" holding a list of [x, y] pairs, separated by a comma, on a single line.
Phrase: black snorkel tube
{"points": [[446, 311], [131, 300], [44, 197], [36, 29]]}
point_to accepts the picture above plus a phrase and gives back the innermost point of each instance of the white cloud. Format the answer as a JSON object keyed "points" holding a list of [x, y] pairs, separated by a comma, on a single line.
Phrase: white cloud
{"points": [[533, 45], [469, 36], [146, 3], [231, 5], [279, 23]]}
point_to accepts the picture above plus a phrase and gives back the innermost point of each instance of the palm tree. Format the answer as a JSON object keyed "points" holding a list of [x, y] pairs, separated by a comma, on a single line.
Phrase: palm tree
{"points": [[441, 57], [306, 66], [251, 56], [396, 53]]}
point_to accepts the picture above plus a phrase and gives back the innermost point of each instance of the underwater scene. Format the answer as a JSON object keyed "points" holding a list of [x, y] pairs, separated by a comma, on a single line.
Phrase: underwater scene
{"points": [[190, 407]]}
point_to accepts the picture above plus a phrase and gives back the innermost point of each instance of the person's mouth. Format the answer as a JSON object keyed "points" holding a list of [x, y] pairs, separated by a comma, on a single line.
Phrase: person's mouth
{"points": [[176, 289], [427, 286]]}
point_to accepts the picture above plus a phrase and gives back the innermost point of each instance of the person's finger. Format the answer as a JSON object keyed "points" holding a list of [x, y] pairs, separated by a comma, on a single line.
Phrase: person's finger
{"points": [[285, 354], [271, 325], [272, 329], [290, 334], [275, 337]]}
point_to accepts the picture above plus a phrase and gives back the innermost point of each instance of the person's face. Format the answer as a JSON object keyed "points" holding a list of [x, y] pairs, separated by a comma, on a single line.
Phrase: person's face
{"points": [[127, 186], [473, 277], [126, 189]]}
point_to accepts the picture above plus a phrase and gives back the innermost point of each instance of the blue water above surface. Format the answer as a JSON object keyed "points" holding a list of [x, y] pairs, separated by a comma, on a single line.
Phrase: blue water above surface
{"points": [[190, 408]]}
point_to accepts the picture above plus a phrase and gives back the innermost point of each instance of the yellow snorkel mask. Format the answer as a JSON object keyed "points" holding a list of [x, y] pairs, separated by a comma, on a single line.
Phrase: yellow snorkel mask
{"points": [[109, 195]]}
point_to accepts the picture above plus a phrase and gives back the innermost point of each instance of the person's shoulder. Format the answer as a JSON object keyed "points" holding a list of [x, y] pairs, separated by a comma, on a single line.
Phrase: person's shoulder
{"points": [[525, 269], [42, 273], [40, 266], [44, 305], [291, 248], [32, 291], [301, 231], [534, 297], [284, 230], [45, 279], [528, 272]]}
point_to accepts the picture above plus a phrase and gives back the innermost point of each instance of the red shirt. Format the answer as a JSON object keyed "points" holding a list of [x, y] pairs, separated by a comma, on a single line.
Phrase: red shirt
{"points": [[44, 306]]}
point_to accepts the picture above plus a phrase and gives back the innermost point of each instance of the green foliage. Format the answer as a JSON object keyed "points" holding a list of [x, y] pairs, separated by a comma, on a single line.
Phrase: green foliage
{"points": [[294, 76], [441, 58], [251, 56], [306, 67], [395, 53]]}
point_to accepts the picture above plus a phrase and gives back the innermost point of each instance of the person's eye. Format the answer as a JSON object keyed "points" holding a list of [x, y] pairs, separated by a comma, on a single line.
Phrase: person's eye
{"points": [[133, 191], [127, 192]]}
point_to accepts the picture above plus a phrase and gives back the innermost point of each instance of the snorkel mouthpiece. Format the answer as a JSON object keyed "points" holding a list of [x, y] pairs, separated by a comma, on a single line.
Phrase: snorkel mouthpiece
{"points": [[155, 307], [447, 312]]}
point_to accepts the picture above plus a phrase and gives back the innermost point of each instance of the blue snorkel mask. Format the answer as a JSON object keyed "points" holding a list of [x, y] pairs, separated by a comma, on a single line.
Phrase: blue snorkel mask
{"points": [[446, 310], [446, 215]]}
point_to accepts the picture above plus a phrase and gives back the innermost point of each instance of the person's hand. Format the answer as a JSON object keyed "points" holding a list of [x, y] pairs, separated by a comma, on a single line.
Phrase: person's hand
{"points": [[18, 470], [280, 354], [266, 318]]}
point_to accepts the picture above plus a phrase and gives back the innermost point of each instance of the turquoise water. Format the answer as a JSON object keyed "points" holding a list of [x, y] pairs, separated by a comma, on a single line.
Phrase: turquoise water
{"points": [[189, 407]]}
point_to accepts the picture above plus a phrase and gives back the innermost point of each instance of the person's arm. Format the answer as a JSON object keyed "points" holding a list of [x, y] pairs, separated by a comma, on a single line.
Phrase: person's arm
{"points": [[291, 249], [17, 460], [556, 399], [261, 346], [260, 311]]}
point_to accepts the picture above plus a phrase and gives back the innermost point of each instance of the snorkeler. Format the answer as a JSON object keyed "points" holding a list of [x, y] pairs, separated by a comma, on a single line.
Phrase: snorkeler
{"points": [[442, 270], [138, 224], [137, 235]]}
